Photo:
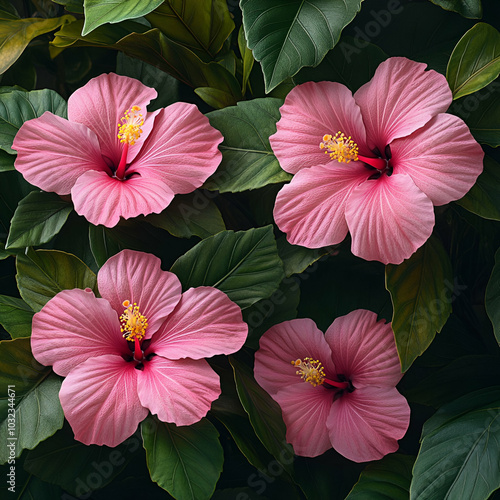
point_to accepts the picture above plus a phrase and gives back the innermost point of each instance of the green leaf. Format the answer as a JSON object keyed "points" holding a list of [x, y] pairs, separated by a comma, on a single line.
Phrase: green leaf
{"points": [[493, 297], [37, 219], [244, 265], [460, 449], [75, 6], [297, 259], [189, 215], [38, 413], [484, 197], [215, 98], [15, 316], [15, 34], [246, 56], [419, 289], [467, 8], [6, 161], [264, 413], [76, 467], [200, 25], [286, 35], [186, 461], [475, 61], [7, 10], [99, 12], [17, 107], [248, 162], [481, 112], [42, 274], [388, 478]]}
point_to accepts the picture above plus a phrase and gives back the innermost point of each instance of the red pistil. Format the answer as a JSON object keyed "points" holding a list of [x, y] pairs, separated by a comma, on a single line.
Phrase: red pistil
{"points": [[378, 163], [138, 354], [333, 383], [120, 171]]}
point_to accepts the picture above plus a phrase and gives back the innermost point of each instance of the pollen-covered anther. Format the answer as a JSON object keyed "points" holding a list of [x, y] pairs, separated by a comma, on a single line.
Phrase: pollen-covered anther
{"points": [[340, 148], [310, 370], [129, 128], [133, 323]]}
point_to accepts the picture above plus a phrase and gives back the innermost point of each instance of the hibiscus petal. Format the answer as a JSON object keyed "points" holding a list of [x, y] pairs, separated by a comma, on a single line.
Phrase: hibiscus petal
{"points": [[287, 342], [399, 99], [103, 200], [180, 391], [305, 411], [53, 152], [100, 401], [138, 277], [312, 110], [74, 326], [389, 219], [101, 103], [204, 323], [310, 210], [442, 158], [366, 424], [181, 149], [364, 350]]}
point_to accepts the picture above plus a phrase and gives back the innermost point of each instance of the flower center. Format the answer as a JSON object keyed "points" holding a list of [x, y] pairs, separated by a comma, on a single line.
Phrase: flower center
{"points": [[340, 148], [129, 130], [311, 370], [133, 323]]}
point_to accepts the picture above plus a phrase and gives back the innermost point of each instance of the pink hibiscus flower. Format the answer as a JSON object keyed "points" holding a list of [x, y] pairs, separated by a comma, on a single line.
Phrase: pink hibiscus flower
{"points": [[391, 154], [124, 170], [139, 348], [336, 389]]}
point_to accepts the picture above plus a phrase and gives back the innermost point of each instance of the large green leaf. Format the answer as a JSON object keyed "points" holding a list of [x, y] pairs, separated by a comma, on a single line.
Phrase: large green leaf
{"points": [[35, 406], [484, 197], [15, 316], [493, 297], [467, 8], [42, 274], [460, 452], [248, 162], [17, 107], [99, 12], [475, 61], [186, 461], [264, 413], [286, 35], [388, 478], [244, 265], [421, 297], [200, 25], [15, 34], [6, 161], [38, 218], [76, 467]]}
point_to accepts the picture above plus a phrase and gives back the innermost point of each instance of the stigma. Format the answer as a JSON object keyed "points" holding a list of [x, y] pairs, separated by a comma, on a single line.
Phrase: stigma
{"points": [[129, 128], [340, 148], [133, 323], [310, 370]]}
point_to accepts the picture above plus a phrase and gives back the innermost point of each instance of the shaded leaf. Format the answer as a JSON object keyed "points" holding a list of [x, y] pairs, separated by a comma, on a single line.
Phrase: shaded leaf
{"points": [[286, 35], [475, 61], [385, 479], [484, 197], [297, 259], [75, 6], [16, 107], [244, 265], [37, 411], [248, 162], [420, 293], [15, 34], [99, 12], [186, 461], [6, 161], [460, 451], [247, 58], [467, 8], [215, 98], [200, 25], [42, 274], [492, 301], [15, 316], [38, 218]]}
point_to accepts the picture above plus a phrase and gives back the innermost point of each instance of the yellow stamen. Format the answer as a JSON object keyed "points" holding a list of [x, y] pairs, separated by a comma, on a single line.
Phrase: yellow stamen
{"points": [[129, 130], [133, 323], [310, 370], [340, 147]]}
